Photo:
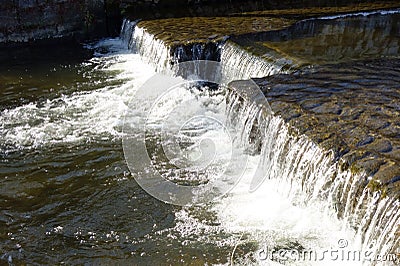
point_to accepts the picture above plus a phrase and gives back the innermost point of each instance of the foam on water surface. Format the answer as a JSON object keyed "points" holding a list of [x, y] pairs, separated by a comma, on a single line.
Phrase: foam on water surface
{"points": [[80, 116], [286, 210]]}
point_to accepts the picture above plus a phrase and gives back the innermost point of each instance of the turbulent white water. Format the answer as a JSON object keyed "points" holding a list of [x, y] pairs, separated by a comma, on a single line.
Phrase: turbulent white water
{"points": [[310, 183], [293, 208], [82, 116]]}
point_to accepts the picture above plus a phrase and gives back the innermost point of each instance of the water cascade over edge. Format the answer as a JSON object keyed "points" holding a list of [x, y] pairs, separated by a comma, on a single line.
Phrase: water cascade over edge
{"points": [[286, 155], [236, 63]]}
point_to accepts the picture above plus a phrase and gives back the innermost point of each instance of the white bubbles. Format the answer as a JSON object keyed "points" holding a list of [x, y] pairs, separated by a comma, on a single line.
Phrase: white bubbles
{"points": [[179, 144], [81, 116]]}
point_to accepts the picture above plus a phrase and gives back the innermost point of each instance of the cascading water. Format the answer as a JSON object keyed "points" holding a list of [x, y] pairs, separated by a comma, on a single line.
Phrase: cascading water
{"points": [[237, 63], [314, 175], [306, 174], [66, 186], [155, 52], [126, 32], [151, 49]]}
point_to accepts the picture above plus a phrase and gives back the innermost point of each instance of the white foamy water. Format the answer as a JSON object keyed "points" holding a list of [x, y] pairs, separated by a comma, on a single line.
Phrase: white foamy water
{"points": [[237, 63], [287, 210], [293, 203], [82, 116], [274, 219], [278, 213]]}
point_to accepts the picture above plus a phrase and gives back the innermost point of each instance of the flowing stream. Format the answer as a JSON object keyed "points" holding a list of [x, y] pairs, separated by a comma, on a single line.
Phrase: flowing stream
{"points": [[67, 195]]}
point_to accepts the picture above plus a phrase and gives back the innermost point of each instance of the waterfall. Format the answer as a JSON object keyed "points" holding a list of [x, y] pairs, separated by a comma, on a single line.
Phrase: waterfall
{"points": [[126, 35], [295, 159], [285, 156], [197, 51], [151, 49], [158, 54], [238, 63]]}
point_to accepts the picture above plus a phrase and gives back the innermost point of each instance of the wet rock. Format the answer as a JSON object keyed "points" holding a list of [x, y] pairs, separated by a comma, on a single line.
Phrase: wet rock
{"points": [[365, 135], [310, 104], [395, 153], [325, 108], [335, 144], [302, 12], [366, 140], [315, 42], [388, 173], [353, 156], [381, 145], [369, 165], [375, 122], [204, 29], [391, 131]]}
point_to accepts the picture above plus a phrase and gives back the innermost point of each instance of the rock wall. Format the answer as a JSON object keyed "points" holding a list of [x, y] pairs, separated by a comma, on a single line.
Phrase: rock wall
{"points": [[150, 9], [27, 20]]}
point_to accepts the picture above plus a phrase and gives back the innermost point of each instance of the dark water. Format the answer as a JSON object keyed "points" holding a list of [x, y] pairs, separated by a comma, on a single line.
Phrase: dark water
{"points": [[60, 201], [66, 193]]}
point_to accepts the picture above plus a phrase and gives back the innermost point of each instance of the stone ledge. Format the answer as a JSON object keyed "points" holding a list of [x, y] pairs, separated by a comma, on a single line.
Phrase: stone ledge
{"points": [[177, 31], [344, 110], [301, 13]]}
